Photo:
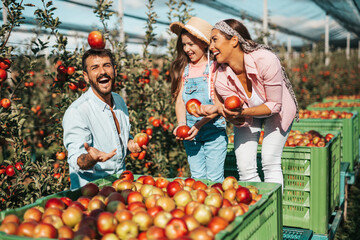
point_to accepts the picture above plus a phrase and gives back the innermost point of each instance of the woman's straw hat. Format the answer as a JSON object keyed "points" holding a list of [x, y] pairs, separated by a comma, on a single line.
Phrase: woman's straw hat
{"points": [[197, 27]]}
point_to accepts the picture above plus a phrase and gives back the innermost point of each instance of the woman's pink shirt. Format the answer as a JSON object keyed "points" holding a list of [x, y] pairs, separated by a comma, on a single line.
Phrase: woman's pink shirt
{"points": [[263, 68]]}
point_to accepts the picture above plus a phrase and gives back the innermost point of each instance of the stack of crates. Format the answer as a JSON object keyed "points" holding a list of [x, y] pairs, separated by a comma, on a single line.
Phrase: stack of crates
{"points": [[263, 220], [311, 183], [349, 128]]}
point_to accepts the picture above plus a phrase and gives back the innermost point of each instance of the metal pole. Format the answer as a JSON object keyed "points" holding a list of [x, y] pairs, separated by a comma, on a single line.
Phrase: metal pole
{"points": [[4, 14], [121, 23], [265, 21], [289, 51], [327, 59], [347, 51], [359, 49]]}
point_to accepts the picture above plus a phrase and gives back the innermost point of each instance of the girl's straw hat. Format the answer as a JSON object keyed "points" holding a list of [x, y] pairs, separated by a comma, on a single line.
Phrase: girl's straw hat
{"points": [[197, 27]]}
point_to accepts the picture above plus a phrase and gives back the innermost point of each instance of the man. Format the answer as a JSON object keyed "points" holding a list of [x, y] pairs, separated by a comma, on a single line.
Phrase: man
{"points": [[96, 125]]}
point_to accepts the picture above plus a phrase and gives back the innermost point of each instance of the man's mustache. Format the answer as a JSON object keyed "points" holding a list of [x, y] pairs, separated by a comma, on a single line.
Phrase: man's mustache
{"points": [[103, 75]]}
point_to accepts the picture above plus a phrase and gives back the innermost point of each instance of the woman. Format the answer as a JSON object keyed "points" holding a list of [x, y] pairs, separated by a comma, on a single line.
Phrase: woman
{"points": [[254, 74]]}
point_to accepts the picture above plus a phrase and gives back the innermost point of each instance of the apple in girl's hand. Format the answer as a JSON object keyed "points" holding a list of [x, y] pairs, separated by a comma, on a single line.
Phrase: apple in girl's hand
{"points": [[191, 105], [142, 139], [233, 102], [183, 131]]}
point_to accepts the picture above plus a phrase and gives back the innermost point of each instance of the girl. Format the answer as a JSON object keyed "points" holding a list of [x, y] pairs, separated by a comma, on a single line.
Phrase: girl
{"points": [[253, 73], [190, 75]]}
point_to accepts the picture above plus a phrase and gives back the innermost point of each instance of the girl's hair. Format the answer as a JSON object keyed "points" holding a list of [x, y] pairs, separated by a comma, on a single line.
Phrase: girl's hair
{"points": [[178, 65], [239, 27]]}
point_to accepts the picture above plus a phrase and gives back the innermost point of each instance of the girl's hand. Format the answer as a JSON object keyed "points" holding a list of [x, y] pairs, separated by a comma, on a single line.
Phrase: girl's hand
{"points": [[193, 132]]}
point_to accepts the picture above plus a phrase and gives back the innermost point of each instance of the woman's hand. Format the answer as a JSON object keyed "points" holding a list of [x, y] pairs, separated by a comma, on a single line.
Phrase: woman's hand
{"points": [[234, 116], [206, 110]]}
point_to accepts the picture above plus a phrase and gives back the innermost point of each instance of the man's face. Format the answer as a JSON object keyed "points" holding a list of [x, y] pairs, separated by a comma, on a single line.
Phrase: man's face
{"points": [[100, 75]]}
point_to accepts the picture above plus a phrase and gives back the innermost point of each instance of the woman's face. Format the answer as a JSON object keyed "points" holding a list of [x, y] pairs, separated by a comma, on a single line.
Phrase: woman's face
{"points": [[220, 46], [193, 47]]}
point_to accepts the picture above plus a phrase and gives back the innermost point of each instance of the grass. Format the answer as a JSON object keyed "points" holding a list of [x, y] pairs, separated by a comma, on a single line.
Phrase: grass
{"points": [[350, 230]]}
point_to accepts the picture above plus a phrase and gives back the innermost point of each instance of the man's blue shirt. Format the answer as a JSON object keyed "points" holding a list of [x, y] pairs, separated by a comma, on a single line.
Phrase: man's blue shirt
{"points": [[89, 119]]}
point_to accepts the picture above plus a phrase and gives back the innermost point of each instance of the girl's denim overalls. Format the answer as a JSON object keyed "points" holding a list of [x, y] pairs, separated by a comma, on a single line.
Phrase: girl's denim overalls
{"points": [[207, 152]]}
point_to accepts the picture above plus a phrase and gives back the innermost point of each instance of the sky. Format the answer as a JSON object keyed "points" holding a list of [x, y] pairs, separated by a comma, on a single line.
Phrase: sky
{"points": [[301, 16]]}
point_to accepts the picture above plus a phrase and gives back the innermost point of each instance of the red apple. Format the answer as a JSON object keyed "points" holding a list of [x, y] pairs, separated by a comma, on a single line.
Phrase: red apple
{"points": [[161, 182], [3, 75], [123, 214], [167, 203], [127, 175], [106, 223], [155, 232], [182, 198], [190, 207], [232, 102], [217, 224], [11, 218], [72, 216], [10, 228], [183, 131], [70, 70], [201, 232], [173, 187], [26, 229], [96, 40], [33, 214], [53, 220], [243, 195], [162, 218], [202, 214], [143, 219], [230, 182], [227, 213], [127, 229], [45, 230], [213, 199], [5, 63], [142, 139], [176, 228], [199, 185], [5, 103], [135, 197], [89, 190], [65, 232], [192, 105], [55, 203], [154, 210]]}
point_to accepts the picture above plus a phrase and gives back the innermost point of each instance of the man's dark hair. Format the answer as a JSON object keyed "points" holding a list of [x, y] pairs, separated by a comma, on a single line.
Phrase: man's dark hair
{"points": [[97, 52]]}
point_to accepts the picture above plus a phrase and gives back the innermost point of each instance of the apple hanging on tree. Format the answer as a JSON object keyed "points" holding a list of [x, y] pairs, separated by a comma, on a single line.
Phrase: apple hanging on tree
{"points": [[96, 40]]}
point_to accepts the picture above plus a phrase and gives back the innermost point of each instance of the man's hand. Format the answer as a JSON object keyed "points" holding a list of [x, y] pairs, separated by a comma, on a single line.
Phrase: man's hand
{"points": [[87, 161], [134, 147], [97, 155]]}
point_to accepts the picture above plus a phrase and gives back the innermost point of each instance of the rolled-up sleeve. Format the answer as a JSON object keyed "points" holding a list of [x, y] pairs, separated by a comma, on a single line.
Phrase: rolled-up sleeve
{"points": [[273, 83], [76, 133]]}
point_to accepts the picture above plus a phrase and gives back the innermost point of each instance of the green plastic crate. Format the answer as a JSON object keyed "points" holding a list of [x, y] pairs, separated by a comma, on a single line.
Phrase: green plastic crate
{"points": [[346, 109], [349, 137], [341, 100], [296, 234], [311, 183], [263, 220]]}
